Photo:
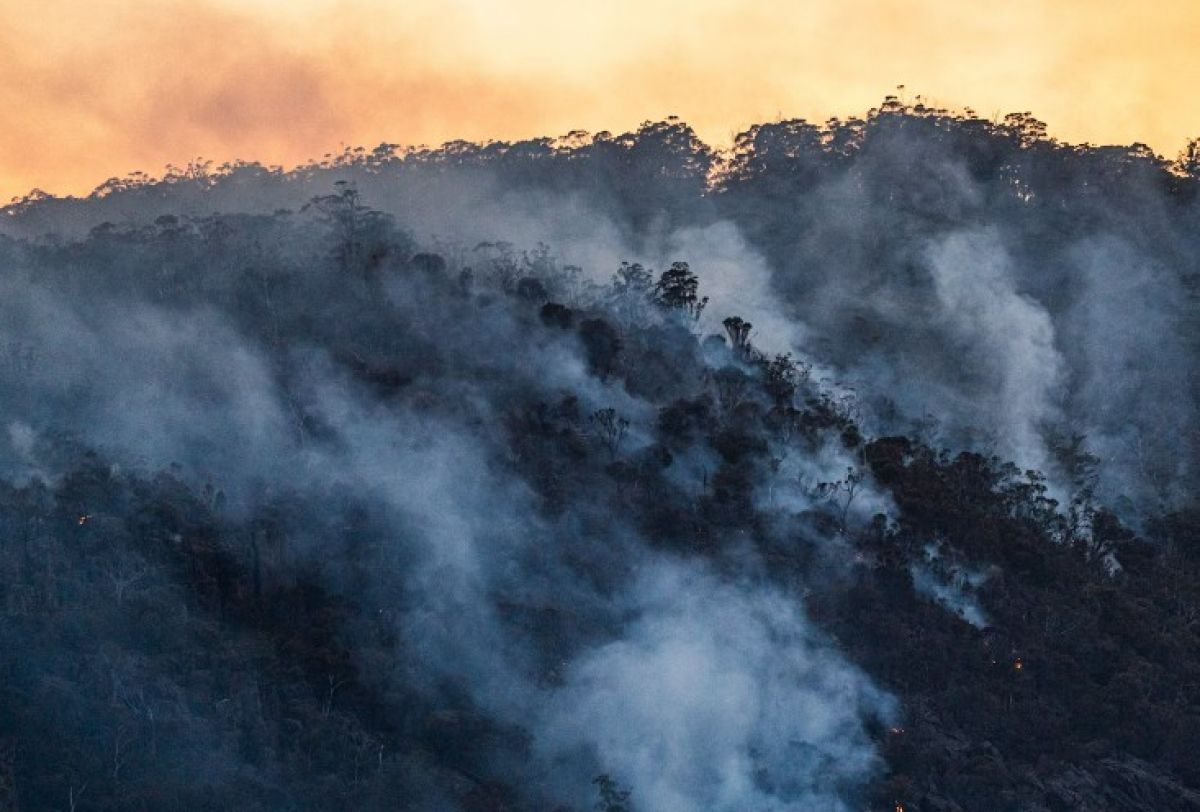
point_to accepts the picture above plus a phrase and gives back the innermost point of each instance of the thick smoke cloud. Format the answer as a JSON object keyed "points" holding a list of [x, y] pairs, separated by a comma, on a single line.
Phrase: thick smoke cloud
{"points": [[718, 697], [396, 393], [264, 371], [1004, 338], [1061, 273]]}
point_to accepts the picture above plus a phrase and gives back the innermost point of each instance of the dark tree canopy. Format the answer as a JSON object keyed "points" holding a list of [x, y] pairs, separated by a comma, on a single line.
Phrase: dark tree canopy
{"points": [[853, 468]]}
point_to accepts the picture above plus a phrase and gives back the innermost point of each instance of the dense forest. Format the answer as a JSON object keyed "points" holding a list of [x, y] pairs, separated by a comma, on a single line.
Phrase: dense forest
{"points": [[853, 467]]}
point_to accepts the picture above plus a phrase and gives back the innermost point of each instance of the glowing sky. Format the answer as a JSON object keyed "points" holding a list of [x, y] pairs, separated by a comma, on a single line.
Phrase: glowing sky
{"points": [[93, 89]]}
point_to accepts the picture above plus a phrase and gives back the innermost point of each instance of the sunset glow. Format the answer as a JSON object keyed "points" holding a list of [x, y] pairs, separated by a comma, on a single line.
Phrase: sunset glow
{"points": [[92, 90]]}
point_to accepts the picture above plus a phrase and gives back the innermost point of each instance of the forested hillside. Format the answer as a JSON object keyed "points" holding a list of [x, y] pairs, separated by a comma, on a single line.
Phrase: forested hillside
{"points": [[852, 468]]}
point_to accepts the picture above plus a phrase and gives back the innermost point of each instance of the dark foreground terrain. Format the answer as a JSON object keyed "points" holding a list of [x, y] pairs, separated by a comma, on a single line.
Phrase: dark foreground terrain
{"points": [[338, 489]]}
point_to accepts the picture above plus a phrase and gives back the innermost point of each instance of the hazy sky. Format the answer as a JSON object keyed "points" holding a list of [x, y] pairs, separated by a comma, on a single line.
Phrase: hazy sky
{"points": [[92, 89]]}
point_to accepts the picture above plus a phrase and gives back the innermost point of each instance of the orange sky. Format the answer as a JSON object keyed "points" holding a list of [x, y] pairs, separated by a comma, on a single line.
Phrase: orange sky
{"points": [[93, 89]]}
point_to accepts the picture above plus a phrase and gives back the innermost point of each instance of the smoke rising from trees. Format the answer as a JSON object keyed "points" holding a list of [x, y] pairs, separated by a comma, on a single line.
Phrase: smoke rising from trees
{"points": [[512, 476]]}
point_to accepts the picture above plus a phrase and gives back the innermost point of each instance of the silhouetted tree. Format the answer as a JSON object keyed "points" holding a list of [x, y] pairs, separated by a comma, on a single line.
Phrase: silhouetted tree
{"points": [[677, 290], [609, 428], [739, 334]]}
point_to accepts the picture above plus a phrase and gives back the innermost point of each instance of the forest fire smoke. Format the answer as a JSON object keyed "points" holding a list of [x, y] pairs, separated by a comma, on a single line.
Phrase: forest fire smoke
{"points": [[461, 476]]}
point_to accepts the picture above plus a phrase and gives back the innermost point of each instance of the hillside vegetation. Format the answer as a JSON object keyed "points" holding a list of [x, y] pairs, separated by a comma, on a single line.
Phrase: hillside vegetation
{"points": [[853, 468]]}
